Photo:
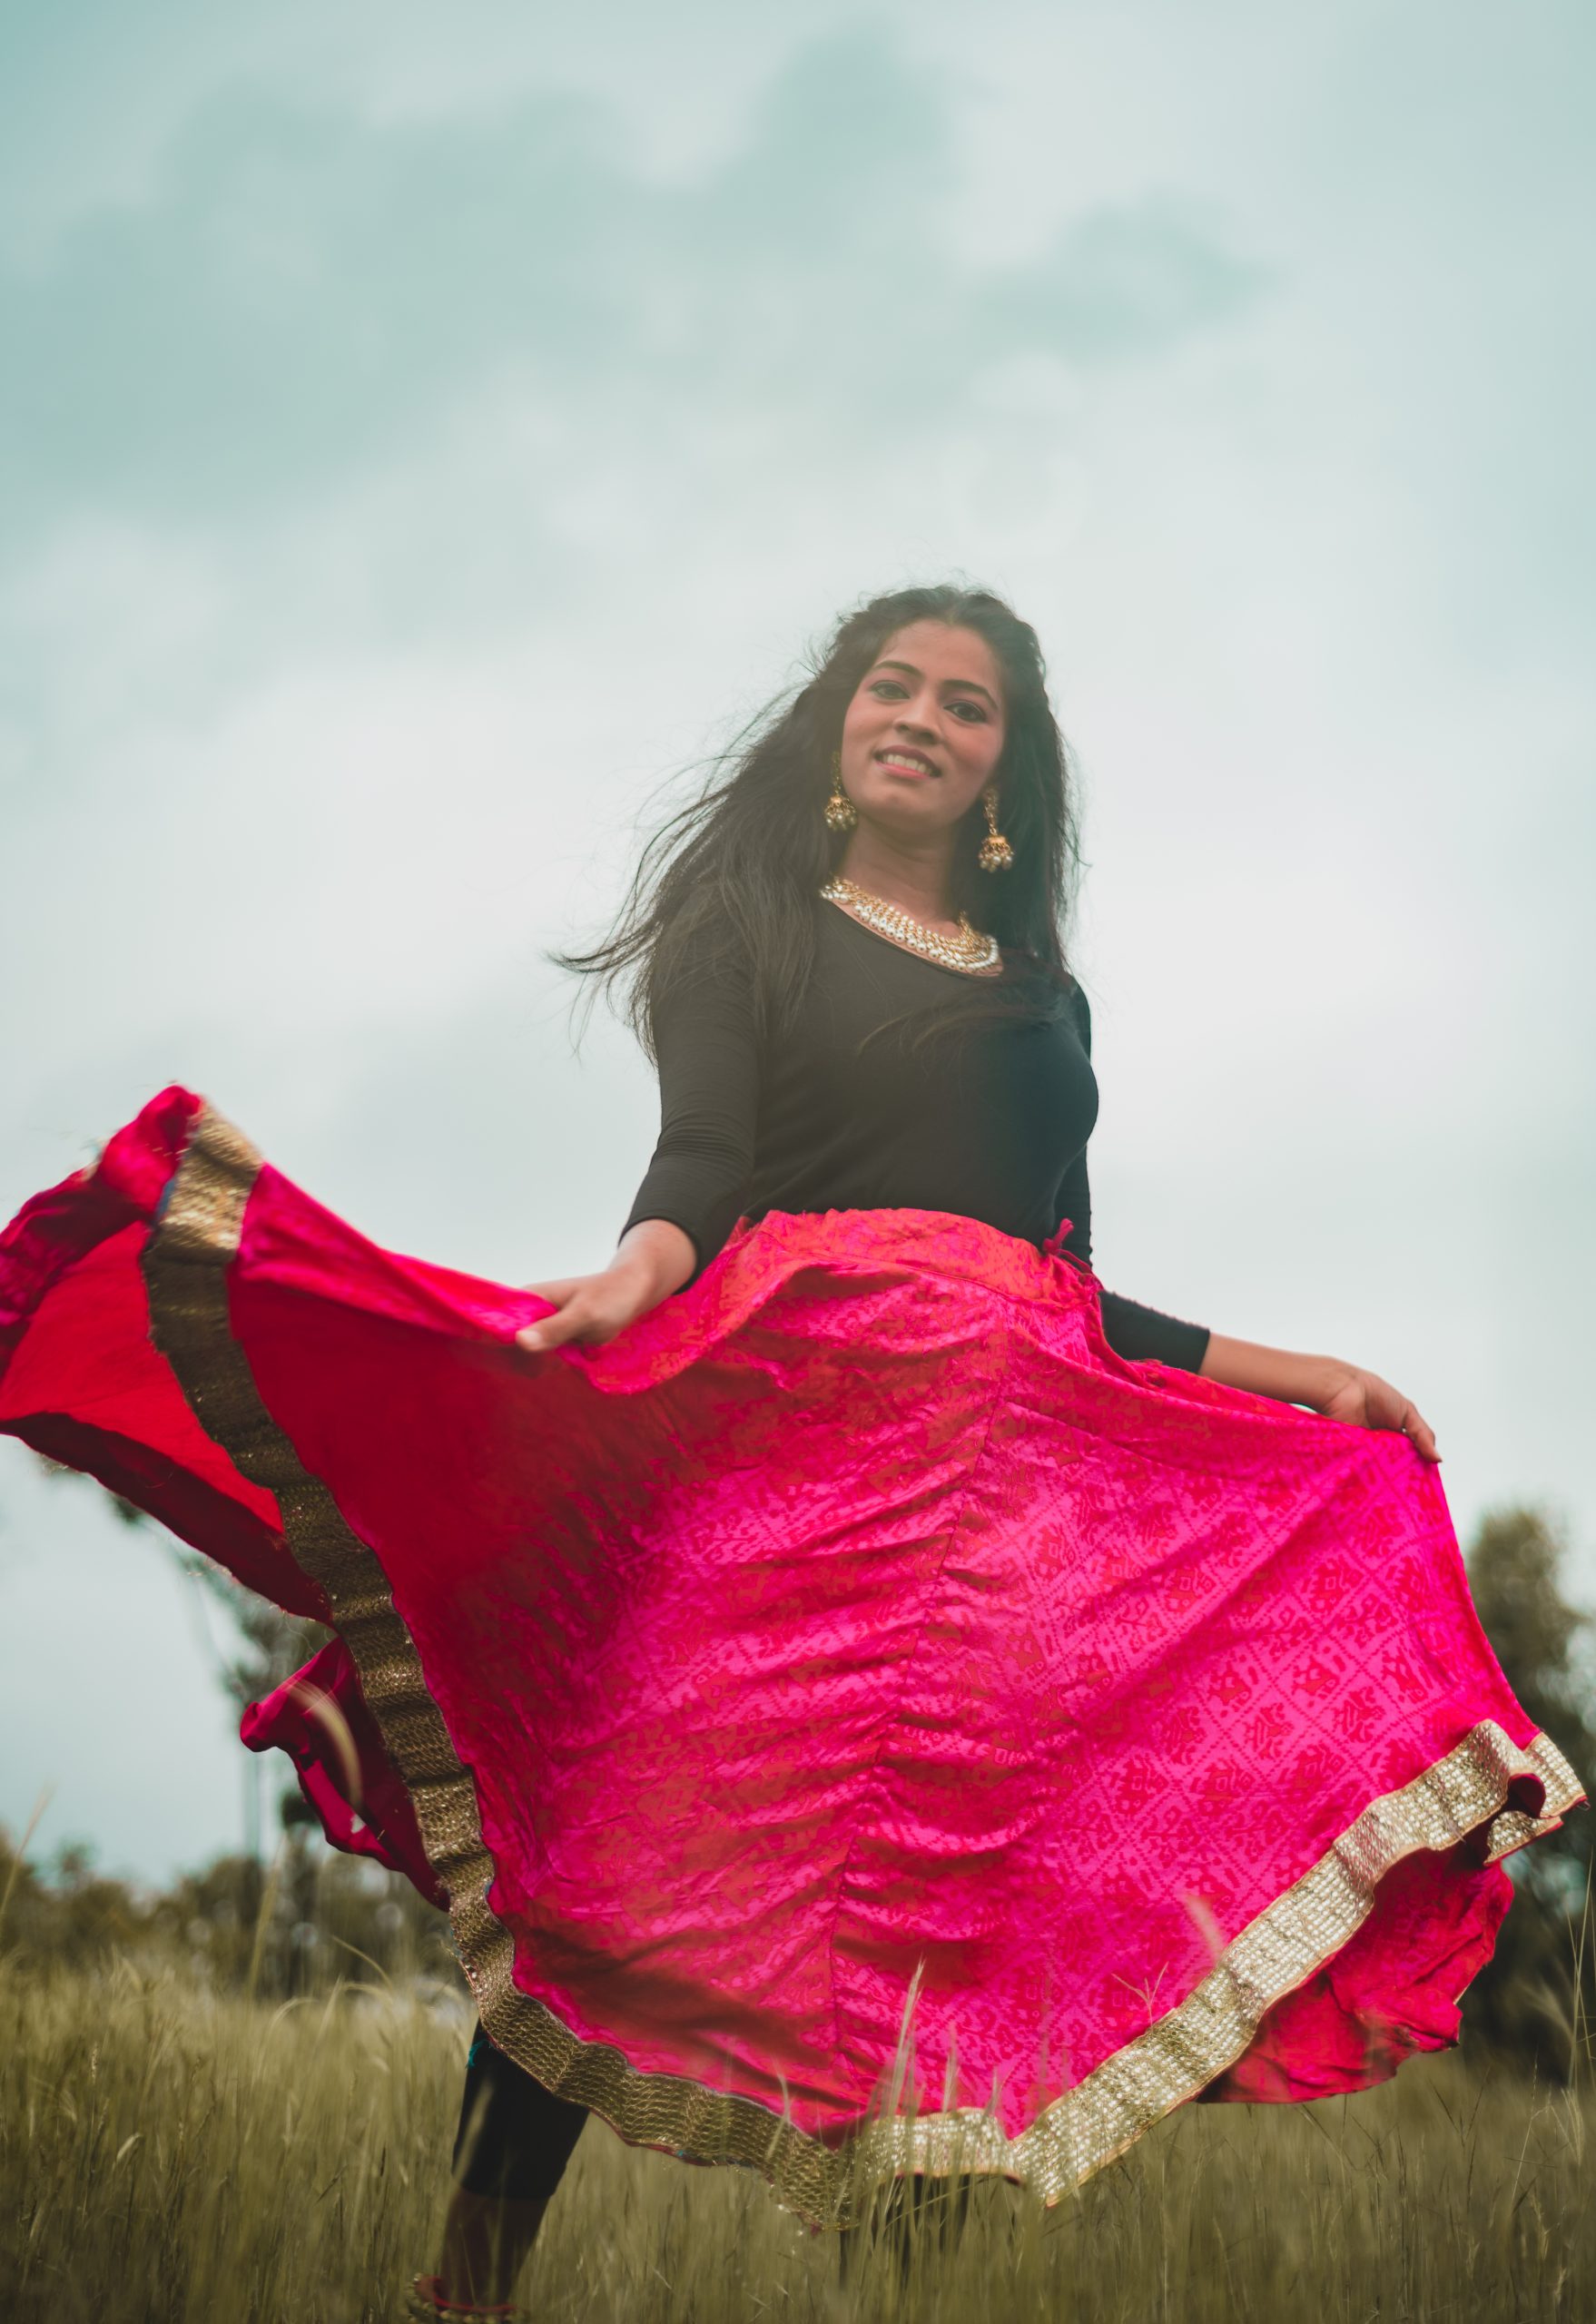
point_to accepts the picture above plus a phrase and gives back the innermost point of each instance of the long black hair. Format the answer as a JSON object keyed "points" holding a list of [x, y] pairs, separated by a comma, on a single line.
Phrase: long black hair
{"points": [[738, 867]]}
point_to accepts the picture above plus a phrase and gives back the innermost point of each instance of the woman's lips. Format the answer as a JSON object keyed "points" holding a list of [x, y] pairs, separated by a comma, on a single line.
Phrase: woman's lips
{"points": [[907, 768]]}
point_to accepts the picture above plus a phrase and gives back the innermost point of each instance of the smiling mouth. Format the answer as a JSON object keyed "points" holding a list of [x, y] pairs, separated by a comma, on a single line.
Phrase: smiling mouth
{"points": [[906, 762]]}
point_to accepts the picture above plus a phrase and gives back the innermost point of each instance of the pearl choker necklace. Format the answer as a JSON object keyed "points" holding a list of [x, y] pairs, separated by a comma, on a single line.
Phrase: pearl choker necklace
{"points": [[969, 950]]}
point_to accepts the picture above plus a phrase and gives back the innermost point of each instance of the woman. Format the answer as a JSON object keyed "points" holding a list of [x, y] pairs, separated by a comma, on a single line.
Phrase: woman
{"points": [[872, 1702]]}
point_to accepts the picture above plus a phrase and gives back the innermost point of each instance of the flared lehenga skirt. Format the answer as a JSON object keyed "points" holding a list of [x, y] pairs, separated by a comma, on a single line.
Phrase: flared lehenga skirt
{"points": [[856, 1721]]}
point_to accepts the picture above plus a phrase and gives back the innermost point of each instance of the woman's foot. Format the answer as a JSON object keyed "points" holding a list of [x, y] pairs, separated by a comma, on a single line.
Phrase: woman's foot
{"points": [[486, 2242], [427, 2305]]}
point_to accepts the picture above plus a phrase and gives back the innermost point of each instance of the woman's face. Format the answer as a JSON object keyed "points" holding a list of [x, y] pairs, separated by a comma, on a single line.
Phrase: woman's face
{"points": [[924, 731]]}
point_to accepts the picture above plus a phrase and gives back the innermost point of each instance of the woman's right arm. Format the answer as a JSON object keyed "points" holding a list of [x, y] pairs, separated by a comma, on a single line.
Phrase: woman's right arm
{"points": [[696, 1181]]}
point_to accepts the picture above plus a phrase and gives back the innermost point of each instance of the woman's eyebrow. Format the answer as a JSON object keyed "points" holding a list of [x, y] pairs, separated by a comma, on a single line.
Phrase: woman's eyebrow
{"points": [[968, 685]]}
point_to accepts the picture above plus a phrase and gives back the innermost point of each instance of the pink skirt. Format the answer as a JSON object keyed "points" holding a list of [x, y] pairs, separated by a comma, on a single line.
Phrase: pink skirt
{"points": [[855, 1720]]}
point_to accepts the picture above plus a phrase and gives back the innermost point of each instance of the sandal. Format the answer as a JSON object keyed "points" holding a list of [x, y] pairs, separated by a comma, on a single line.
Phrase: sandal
{"points": [[427, 2305]]}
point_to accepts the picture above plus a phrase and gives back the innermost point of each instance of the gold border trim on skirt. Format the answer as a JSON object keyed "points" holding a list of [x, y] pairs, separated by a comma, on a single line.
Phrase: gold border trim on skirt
{"points": [[184, 1266]]}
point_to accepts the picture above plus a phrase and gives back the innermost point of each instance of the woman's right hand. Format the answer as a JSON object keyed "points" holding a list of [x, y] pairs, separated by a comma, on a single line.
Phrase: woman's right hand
{"points": [[654, 1259], [591, 1308]]}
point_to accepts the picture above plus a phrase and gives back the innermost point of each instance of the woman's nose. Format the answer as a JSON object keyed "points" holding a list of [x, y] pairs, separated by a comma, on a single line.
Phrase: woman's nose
{"points": [[914, 718]]}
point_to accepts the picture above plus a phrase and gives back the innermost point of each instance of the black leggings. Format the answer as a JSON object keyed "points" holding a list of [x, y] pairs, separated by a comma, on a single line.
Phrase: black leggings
{"points": [[515, 2137]]}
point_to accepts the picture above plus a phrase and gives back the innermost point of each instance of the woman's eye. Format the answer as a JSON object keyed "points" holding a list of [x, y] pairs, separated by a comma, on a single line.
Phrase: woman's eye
{"points": [[890, 690], [977, 714]]}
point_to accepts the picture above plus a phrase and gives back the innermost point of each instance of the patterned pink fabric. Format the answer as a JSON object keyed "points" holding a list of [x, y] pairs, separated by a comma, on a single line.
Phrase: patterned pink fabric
{"points": [[858, 1611]]}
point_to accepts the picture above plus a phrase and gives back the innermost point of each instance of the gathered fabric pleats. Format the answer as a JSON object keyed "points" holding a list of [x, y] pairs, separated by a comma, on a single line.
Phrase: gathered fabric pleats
{"points": [[856, 1722]]}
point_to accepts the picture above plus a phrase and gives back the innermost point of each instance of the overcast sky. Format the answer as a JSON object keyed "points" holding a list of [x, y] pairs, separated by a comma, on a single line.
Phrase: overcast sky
{"points": [[422, 430]]}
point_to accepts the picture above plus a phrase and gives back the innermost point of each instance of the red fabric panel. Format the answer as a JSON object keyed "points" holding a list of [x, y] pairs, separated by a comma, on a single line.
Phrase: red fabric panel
{"points": [[319, 1717], [80, 1382]]}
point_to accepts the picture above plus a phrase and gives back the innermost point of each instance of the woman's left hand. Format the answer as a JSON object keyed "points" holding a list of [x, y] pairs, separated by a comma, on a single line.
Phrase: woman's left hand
{"points": [[1323, 1382], [1367, 1401]]}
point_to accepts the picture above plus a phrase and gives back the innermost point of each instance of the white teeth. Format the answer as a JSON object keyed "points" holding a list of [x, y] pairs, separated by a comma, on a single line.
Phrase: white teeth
{"points": [[906, 758]]}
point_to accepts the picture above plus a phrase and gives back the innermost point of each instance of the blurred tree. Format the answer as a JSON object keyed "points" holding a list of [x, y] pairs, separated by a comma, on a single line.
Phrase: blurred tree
{"points": [[357, 1924], [1542, 1644], [271, 1644], [1537, 1998], [314, 1918], [70, 1915]]}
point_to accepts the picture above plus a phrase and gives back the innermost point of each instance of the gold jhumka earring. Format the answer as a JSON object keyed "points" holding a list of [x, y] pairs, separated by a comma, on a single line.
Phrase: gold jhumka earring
{"points": [[995, 853], [842, 814]]}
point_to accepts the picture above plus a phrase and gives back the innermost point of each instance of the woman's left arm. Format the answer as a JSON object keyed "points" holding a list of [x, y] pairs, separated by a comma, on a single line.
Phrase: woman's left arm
{"points": [[1340, 1391]]}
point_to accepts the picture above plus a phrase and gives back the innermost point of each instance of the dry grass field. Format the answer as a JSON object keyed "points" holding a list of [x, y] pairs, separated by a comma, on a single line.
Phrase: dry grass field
{"points": [[172, 2156]]}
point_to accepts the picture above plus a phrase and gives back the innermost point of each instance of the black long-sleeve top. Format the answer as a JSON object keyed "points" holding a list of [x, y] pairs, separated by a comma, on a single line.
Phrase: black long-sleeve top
{"points": [[847, 1112]]}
